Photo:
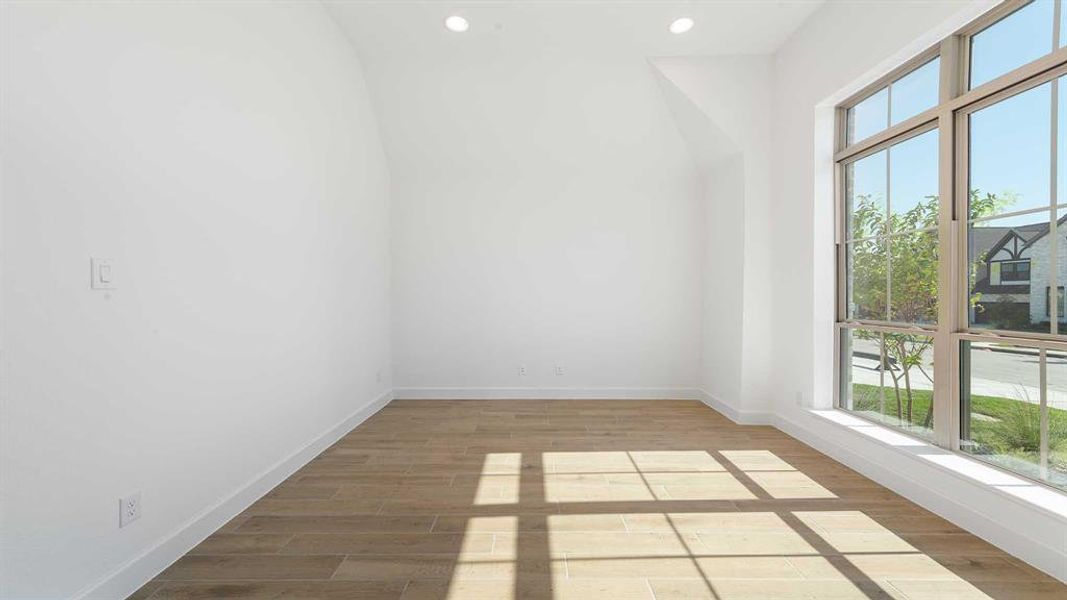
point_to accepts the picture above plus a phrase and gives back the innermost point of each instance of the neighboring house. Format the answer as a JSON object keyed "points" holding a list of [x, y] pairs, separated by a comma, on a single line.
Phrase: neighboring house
{"points": [[1013, 272]]}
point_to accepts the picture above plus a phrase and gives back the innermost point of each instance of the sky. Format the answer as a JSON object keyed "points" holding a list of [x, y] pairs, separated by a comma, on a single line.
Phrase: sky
{"points": [[1010, 141]]}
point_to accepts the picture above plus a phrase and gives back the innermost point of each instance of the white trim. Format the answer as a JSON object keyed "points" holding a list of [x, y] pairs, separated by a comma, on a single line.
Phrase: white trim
{"points": [[545, 393], [741, 417], [134, 573], [1035, 533]]}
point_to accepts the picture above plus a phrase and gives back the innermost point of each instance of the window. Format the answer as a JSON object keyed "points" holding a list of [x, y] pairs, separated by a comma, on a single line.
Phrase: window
{"points": [[1014, 271], [892, 254], [953, 196], [889, 378], [898, 101]]}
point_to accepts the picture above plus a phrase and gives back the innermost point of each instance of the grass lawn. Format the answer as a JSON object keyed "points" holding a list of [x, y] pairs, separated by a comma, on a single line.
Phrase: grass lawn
{"points": [[1000, 425], [866, 398]]}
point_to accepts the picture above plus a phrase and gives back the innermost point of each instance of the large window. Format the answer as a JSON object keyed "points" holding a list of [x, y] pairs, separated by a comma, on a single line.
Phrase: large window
{"points": [[952, 253]]}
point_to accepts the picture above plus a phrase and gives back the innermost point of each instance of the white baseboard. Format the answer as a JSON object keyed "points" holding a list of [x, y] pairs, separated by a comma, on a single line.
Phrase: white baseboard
{"points": [[1004, 522], [539, 393], [741, 417], [130, 576]]}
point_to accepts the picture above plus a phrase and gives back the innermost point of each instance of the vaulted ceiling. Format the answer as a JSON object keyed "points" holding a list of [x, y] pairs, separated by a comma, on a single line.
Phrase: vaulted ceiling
{"points": [[543, 84]]}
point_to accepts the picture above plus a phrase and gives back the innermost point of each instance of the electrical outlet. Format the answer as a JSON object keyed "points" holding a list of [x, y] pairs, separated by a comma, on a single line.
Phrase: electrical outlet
{"points": [[800, 398], [522, 370], [560, 371], [378, 376], [129, 509]]}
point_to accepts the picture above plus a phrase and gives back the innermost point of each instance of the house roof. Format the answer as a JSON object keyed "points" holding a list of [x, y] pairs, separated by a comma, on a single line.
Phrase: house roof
{"points": [[1043, 230], [988, 240]]}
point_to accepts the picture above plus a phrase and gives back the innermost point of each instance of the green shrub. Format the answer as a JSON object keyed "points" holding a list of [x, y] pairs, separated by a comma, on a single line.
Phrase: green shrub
{"points": [[1019, 430]]}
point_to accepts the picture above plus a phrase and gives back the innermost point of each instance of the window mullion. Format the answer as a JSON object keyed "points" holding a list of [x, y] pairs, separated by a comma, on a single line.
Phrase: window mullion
{"points": [[888, 240], [1043, 427], [1053, 306], [1056, 33], [946, 351]]}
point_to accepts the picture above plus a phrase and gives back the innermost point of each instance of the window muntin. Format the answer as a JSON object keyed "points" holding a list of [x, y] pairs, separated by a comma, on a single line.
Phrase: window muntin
{"points": [[1020, 37], [998, 210]]}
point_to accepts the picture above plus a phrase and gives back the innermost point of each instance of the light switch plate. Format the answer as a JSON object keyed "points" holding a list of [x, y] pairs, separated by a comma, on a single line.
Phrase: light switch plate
{"points": [[102, 274]]}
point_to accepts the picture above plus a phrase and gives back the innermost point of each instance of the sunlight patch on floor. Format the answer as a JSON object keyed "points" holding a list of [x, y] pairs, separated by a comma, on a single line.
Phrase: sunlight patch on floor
{"points": [[789, 485], [499, 481], [713, 554]]}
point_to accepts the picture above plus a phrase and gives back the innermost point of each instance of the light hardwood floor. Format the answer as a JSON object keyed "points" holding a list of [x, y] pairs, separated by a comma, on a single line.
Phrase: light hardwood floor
{"points": [[586, 499]]}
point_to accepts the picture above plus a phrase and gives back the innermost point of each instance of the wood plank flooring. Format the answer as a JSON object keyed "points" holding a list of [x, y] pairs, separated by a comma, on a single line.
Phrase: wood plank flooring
{"points": [[586, 499]]}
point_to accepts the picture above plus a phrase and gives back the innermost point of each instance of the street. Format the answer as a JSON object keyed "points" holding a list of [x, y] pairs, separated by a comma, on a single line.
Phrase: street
{"points": [[993, 373]]}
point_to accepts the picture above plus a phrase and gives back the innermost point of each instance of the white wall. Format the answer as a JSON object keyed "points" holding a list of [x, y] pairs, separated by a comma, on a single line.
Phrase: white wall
{"points": [[721, 104], [545, 211], [812, 73], [723, 272], [226, 157]]}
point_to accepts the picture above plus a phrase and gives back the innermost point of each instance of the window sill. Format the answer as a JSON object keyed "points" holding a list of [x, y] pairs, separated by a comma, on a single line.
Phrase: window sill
{"points": [[1028, 493]]}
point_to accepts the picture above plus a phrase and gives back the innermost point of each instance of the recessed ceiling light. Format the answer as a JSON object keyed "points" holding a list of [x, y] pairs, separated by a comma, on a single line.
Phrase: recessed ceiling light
{"points": [[457, 23], [681, 25]]}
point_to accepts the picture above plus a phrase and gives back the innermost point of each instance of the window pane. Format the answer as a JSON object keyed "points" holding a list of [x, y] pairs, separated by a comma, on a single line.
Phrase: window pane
{"points": [[866, 180], [1055, 471], [861, 373], [1015, 40], [915, 92], [900, 100], [1011, 154], [913, 278], [868, 117], [1000, 400], [888, 377], [867, 282], [1015, 271], [913, 182], [999, 252]]}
